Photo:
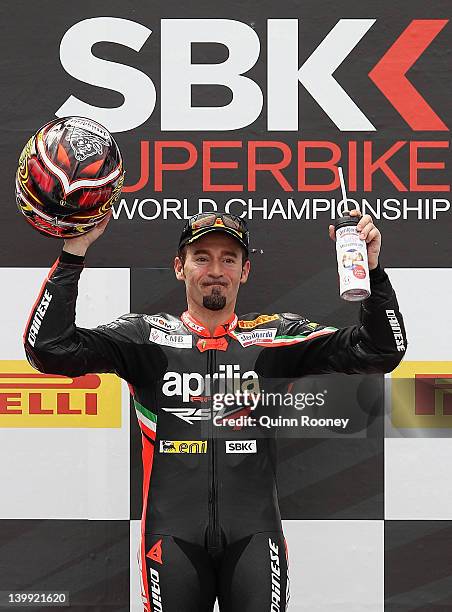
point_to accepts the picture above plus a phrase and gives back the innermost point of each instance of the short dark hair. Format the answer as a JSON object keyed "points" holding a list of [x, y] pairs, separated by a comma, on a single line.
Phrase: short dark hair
{"points": [[182, 254]]}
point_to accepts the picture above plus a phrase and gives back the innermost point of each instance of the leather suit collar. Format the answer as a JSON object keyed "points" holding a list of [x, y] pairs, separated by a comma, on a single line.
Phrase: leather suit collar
{"points": [[198, 328]]}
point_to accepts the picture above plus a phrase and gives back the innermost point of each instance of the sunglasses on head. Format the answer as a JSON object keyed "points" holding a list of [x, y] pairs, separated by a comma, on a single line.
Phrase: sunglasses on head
{"points": [[203, 220]]}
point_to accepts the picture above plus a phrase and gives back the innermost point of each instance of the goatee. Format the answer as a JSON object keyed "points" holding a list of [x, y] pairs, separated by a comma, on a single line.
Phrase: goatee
{"points": [[214, 301]]}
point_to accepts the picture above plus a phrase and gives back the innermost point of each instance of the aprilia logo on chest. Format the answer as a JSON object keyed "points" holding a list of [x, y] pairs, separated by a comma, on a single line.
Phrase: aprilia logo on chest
{"points": [[228, 379]]}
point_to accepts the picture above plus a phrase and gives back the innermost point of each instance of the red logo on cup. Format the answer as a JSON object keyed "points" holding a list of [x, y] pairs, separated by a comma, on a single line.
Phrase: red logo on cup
{"points": [[359, 272]]}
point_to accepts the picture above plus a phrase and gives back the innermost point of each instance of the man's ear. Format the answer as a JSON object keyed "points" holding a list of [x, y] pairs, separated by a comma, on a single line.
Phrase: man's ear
{"points": [[245, 271], [179, 269]]}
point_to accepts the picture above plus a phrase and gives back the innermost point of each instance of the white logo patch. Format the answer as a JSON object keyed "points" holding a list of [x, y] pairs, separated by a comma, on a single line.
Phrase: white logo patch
{"points": [[396, 329], [241, 446], [162, 323], [38, 318], [191, 324], [160, 337], [257, 336]]}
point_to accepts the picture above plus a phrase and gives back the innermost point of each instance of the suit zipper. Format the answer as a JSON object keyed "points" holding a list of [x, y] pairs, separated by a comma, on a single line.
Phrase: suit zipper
{"points": [[214, 540]]}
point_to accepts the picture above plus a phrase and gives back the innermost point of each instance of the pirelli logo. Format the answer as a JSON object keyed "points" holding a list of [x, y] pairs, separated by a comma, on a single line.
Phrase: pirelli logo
{"points": [[421, 395], [31, 399]]}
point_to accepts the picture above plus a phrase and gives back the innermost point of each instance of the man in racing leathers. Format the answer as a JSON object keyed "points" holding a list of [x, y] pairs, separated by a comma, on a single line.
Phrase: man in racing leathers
{"points": [[210, 524]]}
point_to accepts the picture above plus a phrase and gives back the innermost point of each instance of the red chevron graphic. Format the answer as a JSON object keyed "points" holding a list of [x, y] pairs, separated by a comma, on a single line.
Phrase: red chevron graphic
{"points": [[389, 75]]}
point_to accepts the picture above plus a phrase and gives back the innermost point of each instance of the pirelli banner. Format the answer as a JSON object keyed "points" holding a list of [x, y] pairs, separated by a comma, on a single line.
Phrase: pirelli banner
{"points": [[248, 108]]}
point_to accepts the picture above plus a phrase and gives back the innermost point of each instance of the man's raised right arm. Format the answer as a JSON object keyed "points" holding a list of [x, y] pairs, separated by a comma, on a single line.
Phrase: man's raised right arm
{"points": [[53, 343]]}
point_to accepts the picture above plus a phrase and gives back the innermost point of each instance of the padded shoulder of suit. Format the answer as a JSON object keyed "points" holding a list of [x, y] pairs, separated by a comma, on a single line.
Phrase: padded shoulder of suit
{"points": [[295, 324], [119, 322], [130, 316], [281, 320], [292, 316]]}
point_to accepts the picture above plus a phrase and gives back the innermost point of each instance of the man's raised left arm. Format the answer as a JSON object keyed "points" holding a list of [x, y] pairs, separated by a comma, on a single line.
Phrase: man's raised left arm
{"points": [[377, 344]]}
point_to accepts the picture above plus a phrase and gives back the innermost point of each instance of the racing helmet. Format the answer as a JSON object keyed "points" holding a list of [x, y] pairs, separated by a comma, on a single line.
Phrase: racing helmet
{"points": [[70, 174]]}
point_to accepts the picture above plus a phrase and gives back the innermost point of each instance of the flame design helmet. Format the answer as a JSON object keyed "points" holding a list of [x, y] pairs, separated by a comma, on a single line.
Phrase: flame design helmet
{"points": [[70, 174]]}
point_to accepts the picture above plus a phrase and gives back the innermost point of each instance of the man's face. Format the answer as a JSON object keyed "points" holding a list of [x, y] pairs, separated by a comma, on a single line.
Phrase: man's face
{"points": [[213, 270]]}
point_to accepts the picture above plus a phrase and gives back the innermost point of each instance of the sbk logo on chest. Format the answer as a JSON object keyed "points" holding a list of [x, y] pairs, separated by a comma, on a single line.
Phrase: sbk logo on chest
{"points": [[241, 446]]}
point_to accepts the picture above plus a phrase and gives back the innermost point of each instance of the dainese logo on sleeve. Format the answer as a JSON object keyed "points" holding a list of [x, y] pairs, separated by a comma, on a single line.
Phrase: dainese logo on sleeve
{"points": [[31, 399], [421, 395]]}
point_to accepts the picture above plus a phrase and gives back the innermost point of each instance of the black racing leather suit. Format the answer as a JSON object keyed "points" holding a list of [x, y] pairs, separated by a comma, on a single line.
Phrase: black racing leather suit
{"points": [[201, 494]]}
